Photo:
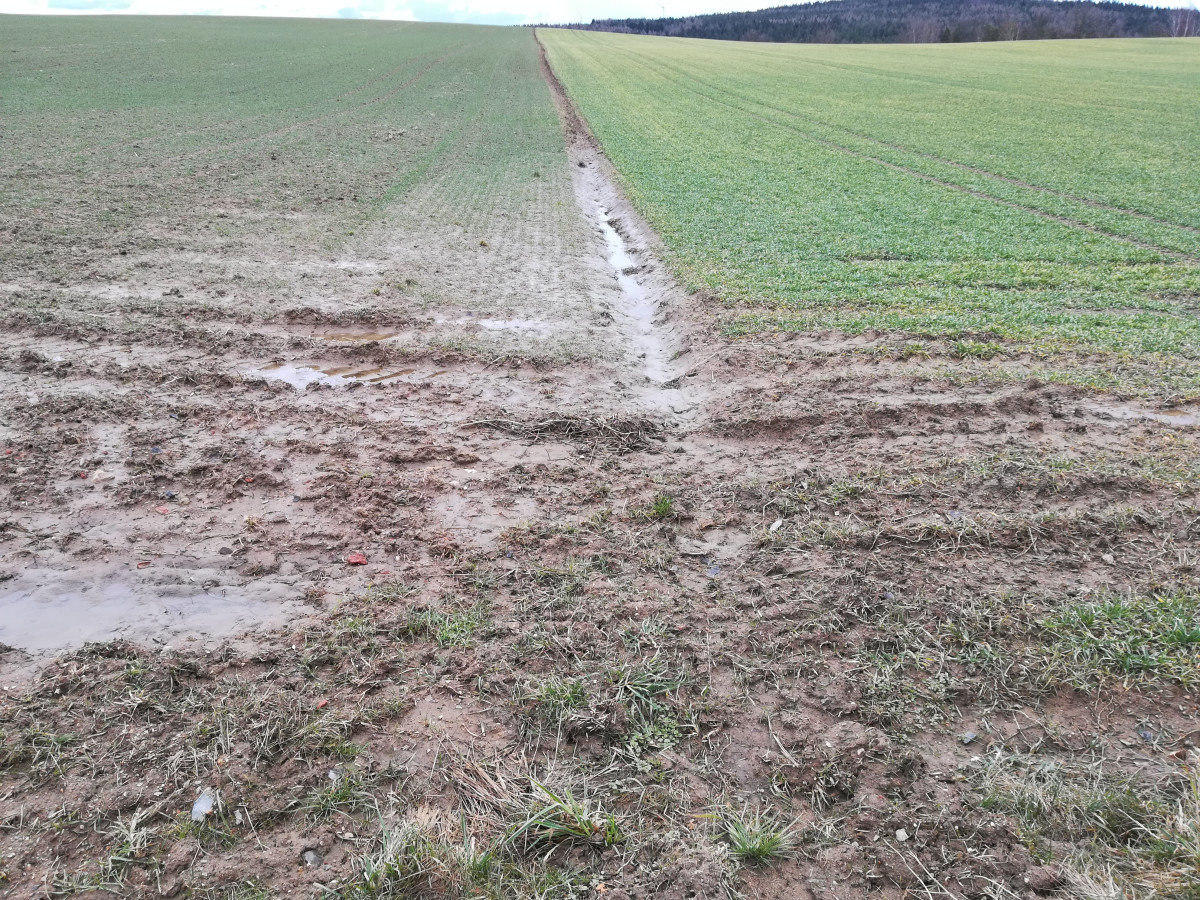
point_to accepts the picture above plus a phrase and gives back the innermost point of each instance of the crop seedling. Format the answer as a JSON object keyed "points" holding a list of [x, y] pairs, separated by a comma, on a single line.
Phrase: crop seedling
{"points": [[758, 837], [558, 818]]}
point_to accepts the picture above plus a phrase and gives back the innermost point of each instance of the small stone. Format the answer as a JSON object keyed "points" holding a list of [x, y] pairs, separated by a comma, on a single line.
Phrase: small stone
{"points": [[901, 834], [967, 736], [311, 858]]}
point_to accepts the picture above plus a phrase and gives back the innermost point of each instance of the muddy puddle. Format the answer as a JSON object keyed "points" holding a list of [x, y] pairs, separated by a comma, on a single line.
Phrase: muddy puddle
{"points": [[39, 619], [1179, 417], [360, 336], [498, 324], [300, 377], [639, 307]]}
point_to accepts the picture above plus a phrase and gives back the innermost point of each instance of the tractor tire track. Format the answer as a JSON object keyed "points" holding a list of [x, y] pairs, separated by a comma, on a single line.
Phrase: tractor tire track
{"points": [[287, 129], [1008, 179], [688, 84]]}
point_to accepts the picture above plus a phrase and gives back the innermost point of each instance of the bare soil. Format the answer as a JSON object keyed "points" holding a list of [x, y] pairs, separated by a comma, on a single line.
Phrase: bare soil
{"points": [[270, 558]]}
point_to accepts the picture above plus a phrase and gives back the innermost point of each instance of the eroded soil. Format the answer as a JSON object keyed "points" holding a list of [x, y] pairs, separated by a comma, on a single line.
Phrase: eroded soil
{"points": [[355, 585]]}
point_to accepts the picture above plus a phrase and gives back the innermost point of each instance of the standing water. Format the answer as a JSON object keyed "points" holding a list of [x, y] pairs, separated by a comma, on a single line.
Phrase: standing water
{"points": [[639, 307]]}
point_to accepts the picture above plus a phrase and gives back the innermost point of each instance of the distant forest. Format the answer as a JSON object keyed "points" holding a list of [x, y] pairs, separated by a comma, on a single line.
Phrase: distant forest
{"points": [[920, 21]]}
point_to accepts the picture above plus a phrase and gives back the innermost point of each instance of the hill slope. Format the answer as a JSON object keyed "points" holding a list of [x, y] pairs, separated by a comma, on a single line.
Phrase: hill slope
{"points": [[920, 21]]}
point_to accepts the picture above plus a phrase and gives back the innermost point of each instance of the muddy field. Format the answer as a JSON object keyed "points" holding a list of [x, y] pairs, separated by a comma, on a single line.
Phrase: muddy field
{"points": [[562, 595]]}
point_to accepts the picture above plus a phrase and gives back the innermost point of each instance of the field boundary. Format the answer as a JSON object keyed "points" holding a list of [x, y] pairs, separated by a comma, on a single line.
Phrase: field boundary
{"points": [[653, 326]]}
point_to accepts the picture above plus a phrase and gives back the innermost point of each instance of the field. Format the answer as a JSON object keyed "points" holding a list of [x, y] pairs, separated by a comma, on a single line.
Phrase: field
{"points": [[432, 468], [424, 162], [1040, 198]]}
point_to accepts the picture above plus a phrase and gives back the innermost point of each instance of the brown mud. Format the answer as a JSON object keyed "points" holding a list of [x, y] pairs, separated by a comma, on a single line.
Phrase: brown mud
{"points": [[352, 586]]}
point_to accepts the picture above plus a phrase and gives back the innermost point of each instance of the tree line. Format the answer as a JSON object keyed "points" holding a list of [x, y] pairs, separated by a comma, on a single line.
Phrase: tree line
{"points": [[921, 21]]}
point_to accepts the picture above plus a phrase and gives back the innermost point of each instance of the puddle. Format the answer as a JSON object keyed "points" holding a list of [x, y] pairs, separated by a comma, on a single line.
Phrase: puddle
{"points": [[300, 377], [499, 324], [399, 374], [43, 618], [351, 372], [358, 335], [1177, 417], [639, 307]]}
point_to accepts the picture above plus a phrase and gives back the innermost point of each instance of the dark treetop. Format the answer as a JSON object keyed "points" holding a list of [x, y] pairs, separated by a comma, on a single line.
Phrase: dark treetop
{"points": [[921, 21]]}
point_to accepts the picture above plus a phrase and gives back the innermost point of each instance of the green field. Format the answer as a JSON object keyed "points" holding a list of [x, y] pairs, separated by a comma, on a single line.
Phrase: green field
{"points": [[1044, 194], [239, 155], [371, 110]]}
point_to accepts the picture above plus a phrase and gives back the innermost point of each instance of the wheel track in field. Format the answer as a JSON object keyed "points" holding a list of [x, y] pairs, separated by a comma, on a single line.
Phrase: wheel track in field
{"points": [[287, 129], [649, 291], [1008, 179], [688, 82], [101, 148]]}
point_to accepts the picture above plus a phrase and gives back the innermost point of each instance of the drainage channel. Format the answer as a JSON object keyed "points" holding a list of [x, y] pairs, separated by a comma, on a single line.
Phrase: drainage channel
{"points": [[638, 307]]}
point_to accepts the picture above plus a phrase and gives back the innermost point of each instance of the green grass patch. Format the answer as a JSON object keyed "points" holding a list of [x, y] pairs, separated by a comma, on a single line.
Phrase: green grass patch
{"points": [[450, 628], [985, 194], [1153, 635]]}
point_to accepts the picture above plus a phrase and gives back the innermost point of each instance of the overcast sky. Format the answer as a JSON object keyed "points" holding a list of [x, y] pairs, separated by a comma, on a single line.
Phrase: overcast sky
{"points": [[492, 12]]}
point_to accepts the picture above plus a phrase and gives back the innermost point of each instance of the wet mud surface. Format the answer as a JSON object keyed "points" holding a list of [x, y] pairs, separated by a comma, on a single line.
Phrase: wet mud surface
{"points": [[337, 578]]}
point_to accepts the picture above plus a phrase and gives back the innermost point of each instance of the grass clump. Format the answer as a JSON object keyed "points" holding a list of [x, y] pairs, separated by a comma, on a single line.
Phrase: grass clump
{"points": [[556, 699], [757, 837], [631, 701], [659, 509], [450, 628], [1139, 835], [975, 349], [346, 792], [131, 845], [1135, 636], [39, 751], [555, 819], [409, 861], [268, 726]]}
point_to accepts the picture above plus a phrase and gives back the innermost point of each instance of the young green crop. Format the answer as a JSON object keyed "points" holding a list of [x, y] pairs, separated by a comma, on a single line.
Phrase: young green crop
{"points": [[1040, 193], [228, 167]]}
